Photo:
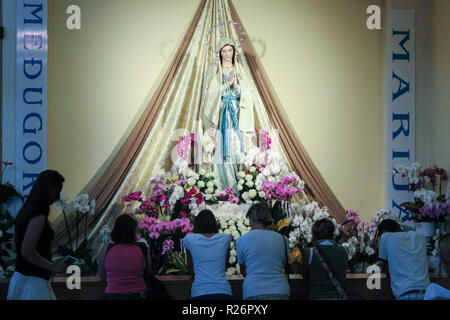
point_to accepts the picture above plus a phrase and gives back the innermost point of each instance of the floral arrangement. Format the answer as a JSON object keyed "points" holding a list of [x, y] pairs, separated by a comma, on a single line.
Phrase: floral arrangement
{"points": [[79, 209], [7, 255], [235, 227], [302, 219], [359, 238], [164, 239], [427, 184]]}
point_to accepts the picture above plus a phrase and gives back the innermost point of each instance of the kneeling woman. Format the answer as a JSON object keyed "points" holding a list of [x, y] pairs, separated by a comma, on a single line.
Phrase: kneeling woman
{"points": [[208, 253], [124, 262]]}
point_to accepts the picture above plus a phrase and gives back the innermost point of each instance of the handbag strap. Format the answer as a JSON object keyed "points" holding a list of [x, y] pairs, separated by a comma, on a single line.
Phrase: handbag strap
{"points": [[286, 256], [331, 272]]}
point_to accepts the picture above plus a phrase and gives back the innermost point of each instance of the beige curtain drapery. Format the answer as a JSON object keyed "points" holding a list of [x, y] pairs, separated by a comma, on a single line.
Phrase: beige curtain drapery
{"points": [[175, 105]]}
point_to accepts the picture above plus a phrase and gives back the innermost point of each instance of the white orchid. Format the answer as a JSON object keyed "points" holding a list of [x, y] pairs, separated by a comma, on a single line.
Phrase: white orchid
{"points": [[105, 231], [426, 196], [92, 207]]}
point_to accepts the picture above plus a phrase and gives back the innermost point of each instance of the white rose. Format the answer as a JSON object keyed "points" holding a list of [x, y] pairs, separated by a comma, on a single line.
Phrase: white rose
{"points": [[240, 187], [261, 194], [252, 193], [209, 190], [227, 231], [245, 195], [233, 228], [248, 177], [252, 169], [217, 192], [232, 259], [201, 184], [210, 184], [249, 184], [241, 182], [191, 181], [202, 172], [196, 176], [241, 174], [233, 253]]}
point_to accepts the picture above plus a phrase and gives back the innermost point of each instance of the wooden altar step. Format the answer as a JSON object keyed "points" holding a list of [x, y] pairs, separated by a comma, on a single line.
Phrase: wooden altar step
{"points": [[179, 287]]}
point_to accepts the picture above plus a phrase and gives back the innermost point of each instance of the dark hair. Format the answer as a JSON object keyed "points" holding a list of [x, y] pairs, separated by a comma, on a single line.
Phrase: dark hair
{"points": [[205, 222], [234, 53], [124, 230], [388, 225], [261, 214], [45, 191], [42, 195], [322, 229]]}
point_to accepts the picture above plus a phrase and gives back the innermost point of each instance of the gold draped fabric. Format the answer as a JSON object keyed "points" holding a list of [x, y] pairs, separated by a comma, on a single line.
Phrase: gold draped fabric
{"points": [[176, 104]]}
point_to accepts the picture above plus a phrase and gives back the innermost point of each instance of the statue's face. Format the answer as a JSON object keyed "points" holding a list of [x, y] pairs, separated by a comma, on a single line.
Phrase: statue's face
{"points": [[227, 53]]}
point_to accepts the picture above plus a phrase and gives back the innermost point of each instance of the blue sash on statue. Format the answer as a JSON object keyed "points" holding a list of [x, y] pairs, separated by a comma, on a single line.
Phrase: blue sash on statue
{"points": [[225, 124]]}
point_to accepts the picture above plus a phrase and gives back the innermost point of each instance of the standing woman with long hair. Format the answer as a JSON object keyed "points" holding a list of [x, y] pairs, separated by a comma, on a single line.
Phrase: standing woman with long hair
{"points": [[32, 241]]}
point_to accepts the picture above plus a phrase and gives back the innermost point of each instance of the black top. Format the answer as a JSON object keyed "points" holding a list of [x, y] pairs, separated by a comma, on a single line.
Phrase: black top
{"points": [[43, 247]]}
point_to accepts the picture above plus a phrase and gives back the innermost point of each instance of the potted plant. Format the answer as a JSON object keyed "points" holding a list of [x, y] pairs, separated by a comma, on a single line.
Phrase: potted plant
{"points": [[430, 206]]}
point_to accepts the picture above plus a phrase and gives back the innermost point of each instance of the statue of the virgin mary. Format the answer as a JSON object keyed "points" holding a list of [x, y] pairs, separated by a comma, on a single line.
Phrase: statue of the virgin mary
{"points": [[227, 112]]}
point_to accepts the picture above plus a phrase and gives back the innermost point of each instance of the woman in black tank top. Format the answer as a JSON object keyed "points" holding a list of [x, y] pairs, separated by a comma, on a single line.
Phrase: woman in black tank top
{"points": [[32, 239]]}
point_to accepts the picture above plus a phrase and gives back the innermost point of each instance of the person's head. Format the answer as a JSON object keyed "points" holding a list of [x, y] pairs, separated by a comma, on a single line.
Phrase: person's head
{"points": [[125, 228], [205, 222], [227, 54], [259, 216], [45, 191], [322, 229], [388, 225], [444, 251]]}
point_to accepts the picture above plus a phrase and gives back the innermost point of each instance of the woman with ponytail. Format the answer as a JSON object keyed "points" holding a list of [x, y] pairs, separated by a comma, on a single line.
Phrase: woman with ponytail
{"points": [[262, 257]]}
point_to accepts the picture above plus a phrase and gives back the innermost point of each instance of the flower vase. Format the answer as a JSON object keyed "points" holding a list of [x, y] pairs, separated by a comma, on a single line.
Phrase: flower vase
{"points": [[428, 228]]}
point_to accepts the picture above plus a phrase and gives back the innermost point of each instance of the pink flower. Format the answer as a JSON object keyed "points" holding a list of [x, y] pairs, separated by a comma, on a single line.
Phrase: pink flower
{"points": [[168, 246], [183, 214], [154, 235], [135, 196]]}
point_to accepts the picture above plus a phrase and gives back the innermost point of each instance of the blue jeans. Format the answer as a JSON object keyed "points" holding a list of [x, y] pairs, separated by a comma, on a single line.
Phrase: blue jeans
{"points": [[214, 296], [269, 297]]}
